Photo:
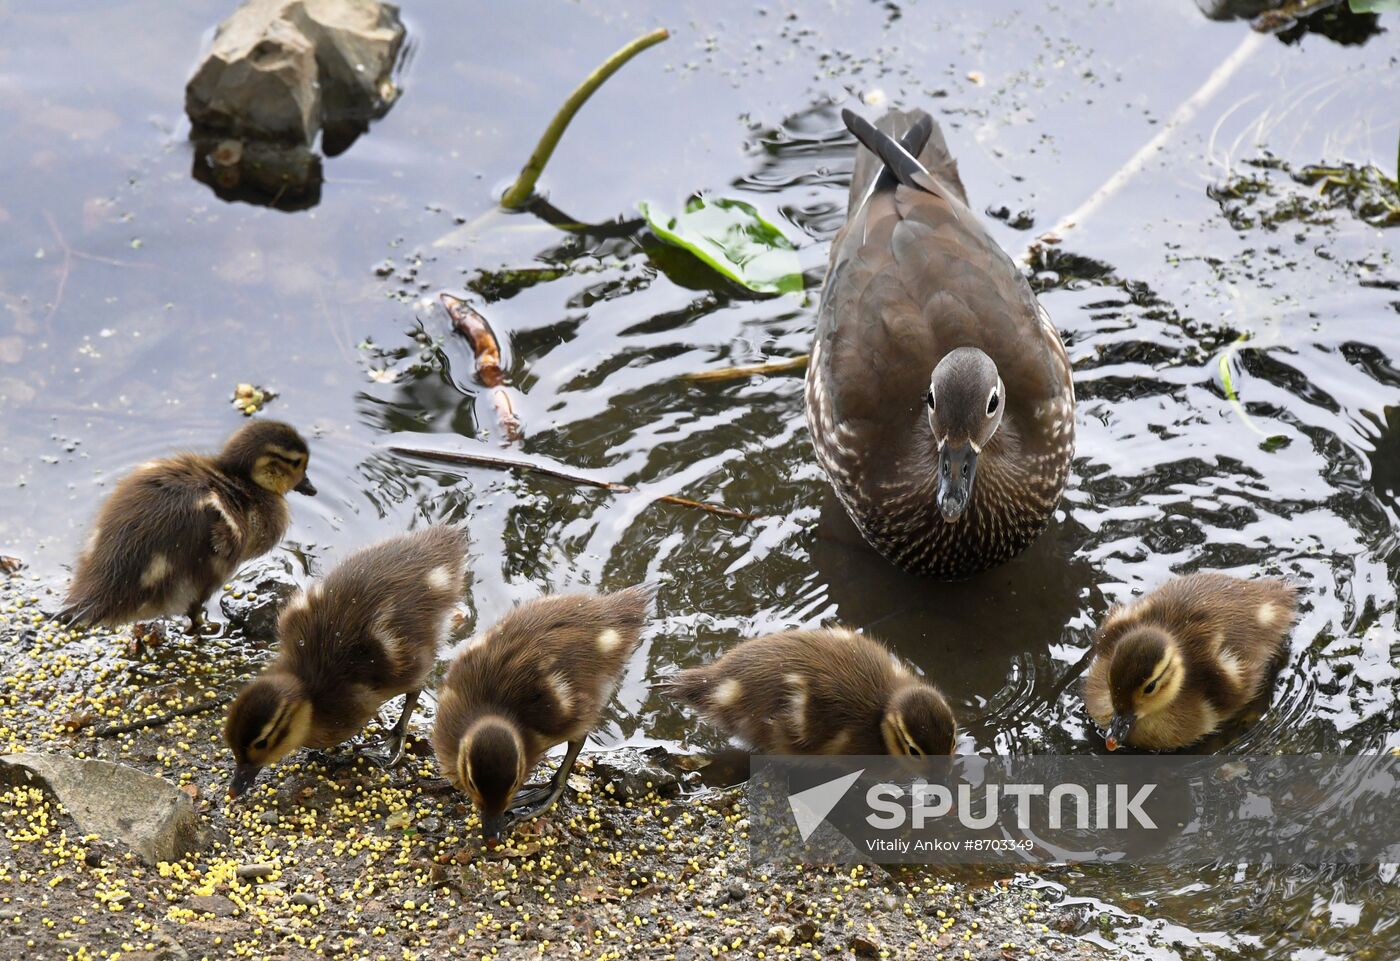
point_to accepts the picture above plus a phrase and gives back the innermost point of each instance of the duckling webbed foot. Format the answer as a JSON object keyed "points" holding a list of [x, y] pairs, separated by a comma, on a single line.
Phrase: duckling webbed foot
{"points": [[199, 624], [532, 802]]}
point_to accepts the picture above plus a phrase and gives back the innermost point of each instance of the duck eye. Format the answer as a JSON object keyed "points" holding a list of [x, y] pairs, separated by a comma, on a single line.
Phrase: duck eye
{"points": [[993, 402], [1151, 686], [260, 744], [928, 399]]}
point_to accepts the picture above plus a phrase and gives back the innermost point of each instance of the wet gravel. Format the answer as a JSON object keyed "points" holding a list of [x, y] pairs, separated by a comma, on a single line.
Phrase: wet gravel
{"points": [[342, 859]]}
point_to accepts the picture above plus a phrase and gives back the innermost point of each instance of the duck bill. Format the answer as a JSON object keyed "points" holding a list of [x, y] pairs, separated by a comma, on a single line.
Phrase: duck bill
{"points": [[957, 467], [243, 777], [1118, 730], [494, 827], [305, 487]]}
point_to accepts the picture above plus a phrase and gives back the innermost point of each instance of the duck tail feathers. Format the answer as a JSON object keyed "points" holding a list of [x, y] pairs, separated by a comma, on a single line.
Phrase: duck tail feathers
{"points": [[898, 159]]}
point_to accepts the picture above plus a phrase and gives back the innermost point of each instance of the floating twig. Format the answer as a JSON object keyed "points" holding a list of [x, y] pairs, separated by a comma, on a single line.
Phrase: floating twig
{"points": [[724, 374], [112, 730], [520, 191], [564, 474], [66, 268], [470, 324]]}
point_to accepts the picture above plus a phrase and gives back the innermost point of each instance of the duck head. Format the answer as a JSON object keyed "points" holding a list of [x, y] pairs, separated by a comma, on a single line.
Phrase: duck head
{"points": [[270, 718], [271, 454], [918, 723], [1144, 678], [491, 767], [966, 399]]}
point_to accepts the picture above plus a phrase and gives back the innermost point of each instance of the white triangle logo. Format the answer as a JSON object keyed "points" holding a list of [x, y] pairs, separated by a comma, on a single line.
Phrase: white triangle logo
{"points": [[810, 807]]}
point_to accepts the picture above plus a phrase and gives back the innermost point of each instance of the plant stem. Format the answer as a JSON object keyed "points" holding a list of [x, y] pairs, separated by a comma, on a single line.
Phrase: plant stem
{"points": [[1180, 117], [112, 730], [524, 186], [724, 374]]}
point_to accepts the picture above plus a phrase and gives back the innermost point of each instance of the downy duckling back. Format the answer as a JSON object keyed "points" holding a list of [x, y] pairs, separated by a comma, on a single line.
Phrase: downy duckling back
{"points": [[826, 691], [1174, 666], [367, 632], [540, 677], [174, 530]]}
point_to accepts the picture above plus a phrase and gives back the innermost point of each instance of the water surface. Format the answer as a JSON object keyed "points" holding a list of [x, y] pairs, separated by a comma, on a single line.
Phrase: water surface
{"points": [[134, 300]]}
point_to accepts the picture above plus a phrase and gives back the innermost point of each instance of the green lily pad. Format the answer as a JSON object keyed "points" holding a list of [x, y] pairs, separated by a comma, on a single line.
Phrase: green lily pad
{"points": [[1373, 6], [731, 237]]}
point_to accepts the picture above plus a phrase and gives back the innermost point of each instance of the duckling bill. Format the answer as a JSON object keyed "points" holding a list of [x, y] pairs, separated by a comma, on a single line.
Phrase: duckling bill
{"points": [[366, 633], [539, 677], [176, 529], [827, 691], [1176, 665]]}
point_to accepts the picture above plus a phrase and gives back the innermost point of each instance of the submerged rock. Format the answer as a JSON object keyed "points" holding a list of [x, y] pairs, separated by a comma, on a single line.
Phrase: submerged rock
{"points": [[634, 774], [151, 816]]}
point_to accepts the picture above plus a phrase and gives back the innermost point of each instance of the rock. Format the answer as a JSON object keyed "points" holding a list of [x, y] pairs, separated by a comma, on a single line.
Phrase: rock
{"points": [[864, 947], [269, 817], [215, 904], [780, 934], [1076, 920], [254, 611], [255, 872], [806, 932], [634, 774], [305, 899], [281, 70], [151, 816]]}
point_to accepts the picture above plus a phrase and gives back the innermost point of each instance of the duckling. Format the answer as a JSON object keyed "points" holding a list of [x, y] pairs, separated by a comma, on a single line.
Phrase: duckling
{"points": [[367, 632], [176, 529], [540, 677], [827, 691], [1174, 666]]}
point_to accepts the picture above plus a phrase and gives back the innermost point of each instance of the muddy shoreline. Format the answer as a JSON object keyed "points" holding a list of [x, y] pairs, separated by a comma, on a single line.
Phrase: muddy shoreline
{"points": [[334, 857]]}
